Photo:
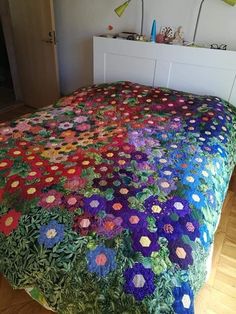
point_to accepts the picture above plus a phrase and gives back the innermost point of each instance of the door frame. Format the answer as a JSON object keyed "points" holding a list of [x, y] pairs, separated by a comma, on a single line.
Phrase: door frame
{"points": [[5, 17]]}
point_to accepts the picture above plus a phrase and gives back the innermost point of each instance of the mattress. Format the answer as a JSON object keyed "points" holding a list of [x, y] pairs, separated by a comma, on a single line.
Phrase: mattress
{"points": [[110, 198]]}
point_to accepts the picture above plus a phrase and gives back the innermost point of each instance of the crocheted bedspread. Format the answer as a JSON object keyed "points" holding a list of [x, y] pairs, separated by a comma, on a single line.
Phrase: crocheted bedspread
{"points": [[110, 198]]}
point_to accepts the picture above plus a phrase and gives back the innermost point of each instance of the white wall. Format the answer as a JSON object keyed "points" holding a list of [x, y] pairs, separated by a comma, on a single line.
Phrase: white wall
{"points": [[78, 20]]}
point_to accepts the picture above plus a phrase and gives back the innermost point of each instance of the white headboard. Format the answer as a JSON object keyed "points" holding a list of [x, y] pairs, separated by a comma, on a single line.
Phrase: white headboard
{"points": [[195, 70]]}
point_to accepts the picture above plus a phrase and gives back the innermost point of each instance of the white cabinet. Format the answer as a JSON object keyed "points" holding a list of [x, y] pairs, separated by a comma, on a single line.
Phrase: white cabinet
{"points": [[190, 69]]}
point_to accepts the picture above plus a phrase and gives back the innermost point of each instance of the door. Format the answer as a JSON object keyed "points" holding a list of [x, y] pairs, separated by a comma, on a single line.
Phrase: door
{"points": [[35, 46]]}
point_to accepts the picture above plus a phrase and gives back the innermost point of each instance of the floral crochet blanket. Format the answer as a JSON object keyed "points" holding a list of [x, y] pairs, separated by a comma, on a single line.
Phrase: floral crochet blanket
{"points": [[110, 198]]}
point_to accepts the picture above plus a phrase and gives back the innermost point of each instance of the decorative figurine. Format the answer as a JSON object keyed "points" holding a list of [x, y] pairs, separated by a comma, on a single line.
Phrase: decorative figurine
{"points": [[153, 32], [168, 33], [178, 37], [160, 38]]}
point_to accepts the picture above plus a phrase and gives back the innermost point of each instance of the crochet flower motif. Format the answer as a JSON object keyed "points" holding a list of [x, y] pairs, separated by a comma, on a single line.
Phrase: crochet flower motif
{"points": [[9, 222], [205, 236], [134, 220], [154, 207], [180, 253], [50, 199], [168, 228], [189, 227], [184, 299], [145, 242], [84, 224], [139, 156], [139, 281], [94, 204], [101, 260], [178, 205], [109, 226], [196, 198], [51, 234]]}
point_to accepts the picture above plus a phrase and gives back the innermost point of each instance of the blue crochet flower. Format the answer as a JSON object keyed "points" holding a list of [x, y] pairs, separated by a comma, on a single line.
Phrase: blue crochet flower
{"points": [[205, 237], [199, 161], [139, 281], [101, 260], [196, 198], [190, 179], [184, 299], [51, 234]]}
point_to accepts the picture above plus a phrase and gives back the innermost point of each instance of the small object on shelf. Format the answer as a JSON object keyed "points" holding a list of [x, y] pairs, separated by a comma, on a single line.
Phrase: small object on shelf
{"points": [[153, 32], [127, 35], [168, 33], [160, 39], [220, 47], [110, 27], [108, 35], [140, 38], [178, 37]]}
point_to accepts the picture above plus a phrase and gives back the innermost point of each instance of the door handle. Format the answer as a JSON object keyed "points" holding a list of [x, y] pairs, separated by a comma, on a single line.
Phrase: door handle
{"points": [[48, 41], [51, 39]]}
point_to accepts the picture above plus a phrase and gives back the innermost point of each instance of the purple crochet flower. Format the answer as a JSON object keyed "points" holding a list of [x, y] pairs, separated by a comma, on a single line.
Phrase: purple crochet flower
{"points": [[189, 227], [122, 162], [94, 204], [134, 220], [146, 166], [125, 191], [109, 226], [103, 183], [178, 205], [180, 253], [139, 281], [117, 207], [139, 156], [145, 242], [166, 185], [168, 228], [167, 172], [154, 207]]}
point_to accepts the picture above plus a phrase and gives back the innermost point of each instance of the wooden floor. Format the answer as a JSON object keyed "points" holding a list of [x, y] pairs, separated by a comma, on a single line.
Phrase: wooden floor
{"points": [[14, 111], [218, 296], [6, 97]]}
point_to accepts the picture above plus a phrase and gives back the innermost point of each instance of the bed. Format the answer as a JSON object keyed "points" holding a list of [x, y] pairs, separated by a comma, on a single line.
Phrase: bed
{"points": [[110, 198]]}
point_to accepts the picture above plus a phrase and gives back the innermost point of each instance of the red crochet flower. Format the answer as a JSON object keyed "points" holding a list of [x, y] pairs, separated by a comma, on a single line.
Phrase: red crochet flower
{"points": [[33, 174], [31, 191], [54, 169], [103, 169], [49, 180], [16, 152], [71, 172], [9, 222], [14, 183], [84, 224], [5, 164]]}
